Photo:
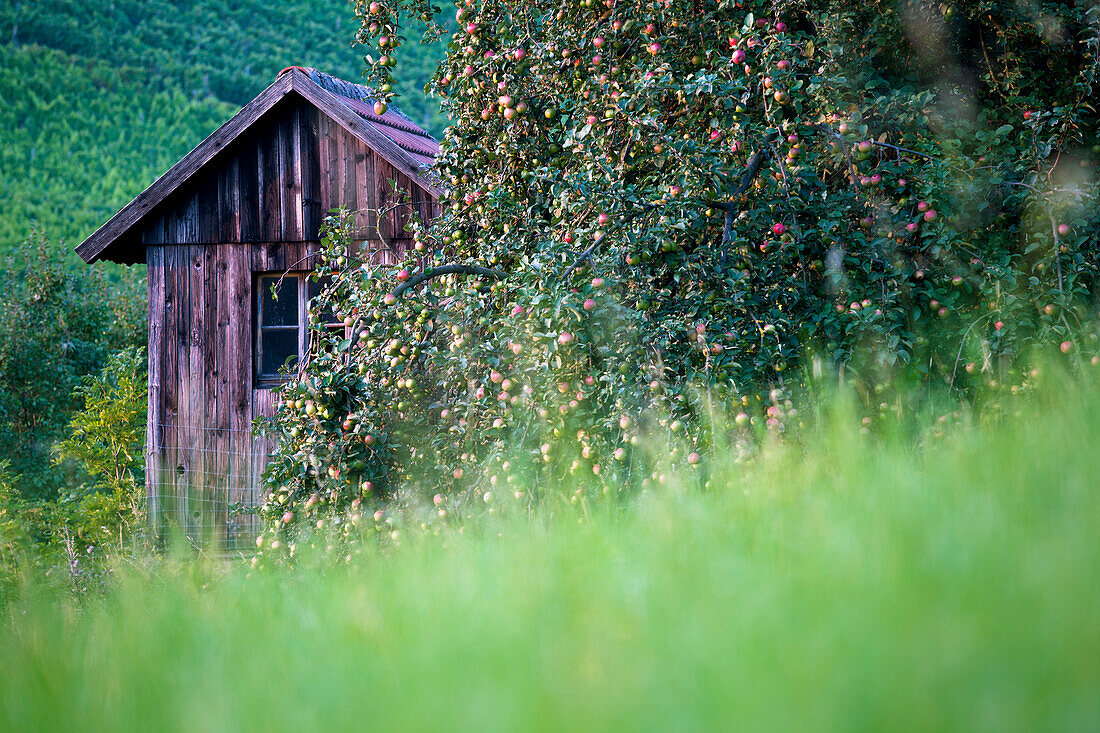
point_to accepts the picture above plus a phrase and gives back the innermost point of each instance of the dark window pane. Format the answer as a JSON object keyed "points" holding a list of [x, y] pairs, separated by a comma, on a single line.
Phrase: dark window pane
{"points": [[283, 310], [314, 288], [277, 347]]}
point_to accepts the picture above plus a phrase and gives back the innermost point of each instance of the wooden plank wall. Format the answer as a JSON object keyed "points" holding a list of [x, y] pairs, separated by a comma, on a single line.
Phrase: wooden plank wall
{"points": [[199, 427], [256, 208], [277, 182], [201, 455], [155, 463]]}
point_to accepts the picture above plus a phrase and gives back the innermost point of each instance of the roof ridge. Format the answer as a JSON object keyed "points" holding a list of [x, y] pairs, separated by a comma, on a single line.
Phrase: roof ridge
{"points": [[360, 93]]}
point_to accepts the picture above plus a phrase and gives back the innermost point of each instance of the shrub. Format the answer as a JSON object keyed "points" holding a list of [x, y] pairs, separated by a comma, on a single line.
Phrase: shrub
{"points": [[103, 507], [107, 439], [15, 534], [56, 326]]}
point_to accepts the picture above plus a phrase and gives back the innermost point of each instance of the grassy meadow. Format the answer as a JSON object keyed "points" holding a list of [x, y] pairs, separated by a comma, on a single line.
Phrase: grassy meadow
{"points": [[852, 582]]}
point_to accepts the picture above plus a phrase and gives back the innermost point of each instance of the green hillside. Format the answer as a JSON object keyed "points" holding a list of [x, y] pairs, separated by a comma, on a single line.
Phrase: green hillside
{"points": [[98, 99], [83, 137]]}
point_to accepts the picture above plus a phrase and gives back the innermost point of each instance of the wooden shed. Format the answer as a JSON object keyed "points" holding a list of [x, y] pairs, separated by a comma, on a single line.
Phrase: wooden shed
{"points": [[215, 232]]}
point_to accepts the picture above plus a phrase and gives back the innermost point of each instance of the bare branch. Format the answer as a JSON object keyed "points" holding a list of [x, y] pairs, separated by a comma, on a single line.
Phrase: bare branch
{"points": [[434, 272], [752, 169], [782, 169], [844, 148], [904, 150], [583, 256], [727, 231]]}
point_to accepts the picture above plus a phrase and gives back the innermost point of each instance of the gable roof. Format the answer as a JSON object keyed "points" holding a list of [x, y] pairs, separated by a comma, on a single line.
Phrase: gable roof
{"points": [[400, 141]]}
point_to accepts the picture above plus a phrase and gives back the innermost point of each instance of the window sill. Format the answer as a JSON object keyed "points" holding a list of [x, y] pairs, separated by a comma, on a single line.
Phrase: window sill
{"points": [[269, 382]]}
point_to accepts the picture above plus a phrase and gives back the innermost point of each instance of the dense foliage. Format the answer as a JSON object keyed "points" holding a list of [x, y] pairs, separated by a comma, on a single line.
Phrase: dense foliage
{"points": [[107, 435], [56, 326], [101, 504], [657, 207], [211, 48]]}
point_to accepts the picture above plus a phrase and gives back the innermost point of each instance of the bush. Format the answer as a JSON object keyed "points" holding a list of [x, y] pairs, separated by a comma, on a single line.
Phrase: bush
{"points": [[16, 536], [56, 326], [107, 439], [101, 513]]}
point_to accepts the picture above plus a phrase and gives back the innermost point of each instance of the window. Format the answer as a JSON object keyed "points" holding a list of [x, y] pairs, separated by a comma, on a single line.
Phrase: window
{"points": [[282, 337]]}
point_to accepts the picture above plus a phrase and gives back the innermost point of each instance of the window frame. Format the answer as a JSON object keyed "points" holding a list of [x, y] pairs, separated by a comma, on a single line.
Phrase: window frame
{"points": [[301, 279]]}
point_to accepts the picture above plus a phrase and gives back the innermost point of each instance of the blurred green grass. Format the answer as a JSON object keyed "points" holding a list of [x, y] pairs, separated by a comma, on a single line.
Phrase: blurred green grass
{"points": [[849, 583]]}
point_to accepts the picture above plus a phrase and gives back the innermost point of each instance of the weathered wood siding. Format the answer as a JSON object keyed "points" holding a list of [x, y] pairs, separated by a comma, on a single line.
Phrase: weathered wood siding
{"points": [[257, 207], [202, 457], [277, 181]]}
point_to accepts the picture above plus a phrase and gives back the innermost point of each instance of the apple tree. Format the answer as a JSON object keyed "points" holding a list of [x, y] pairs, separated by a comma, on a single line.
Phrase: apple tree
{"points": [[655, 209]]}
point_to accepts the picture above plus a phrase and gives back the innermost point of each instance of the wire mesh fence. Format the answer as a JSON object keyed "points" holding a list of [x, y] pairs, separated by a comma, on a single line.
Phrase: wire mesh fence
{"points": [[203, 483]]}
